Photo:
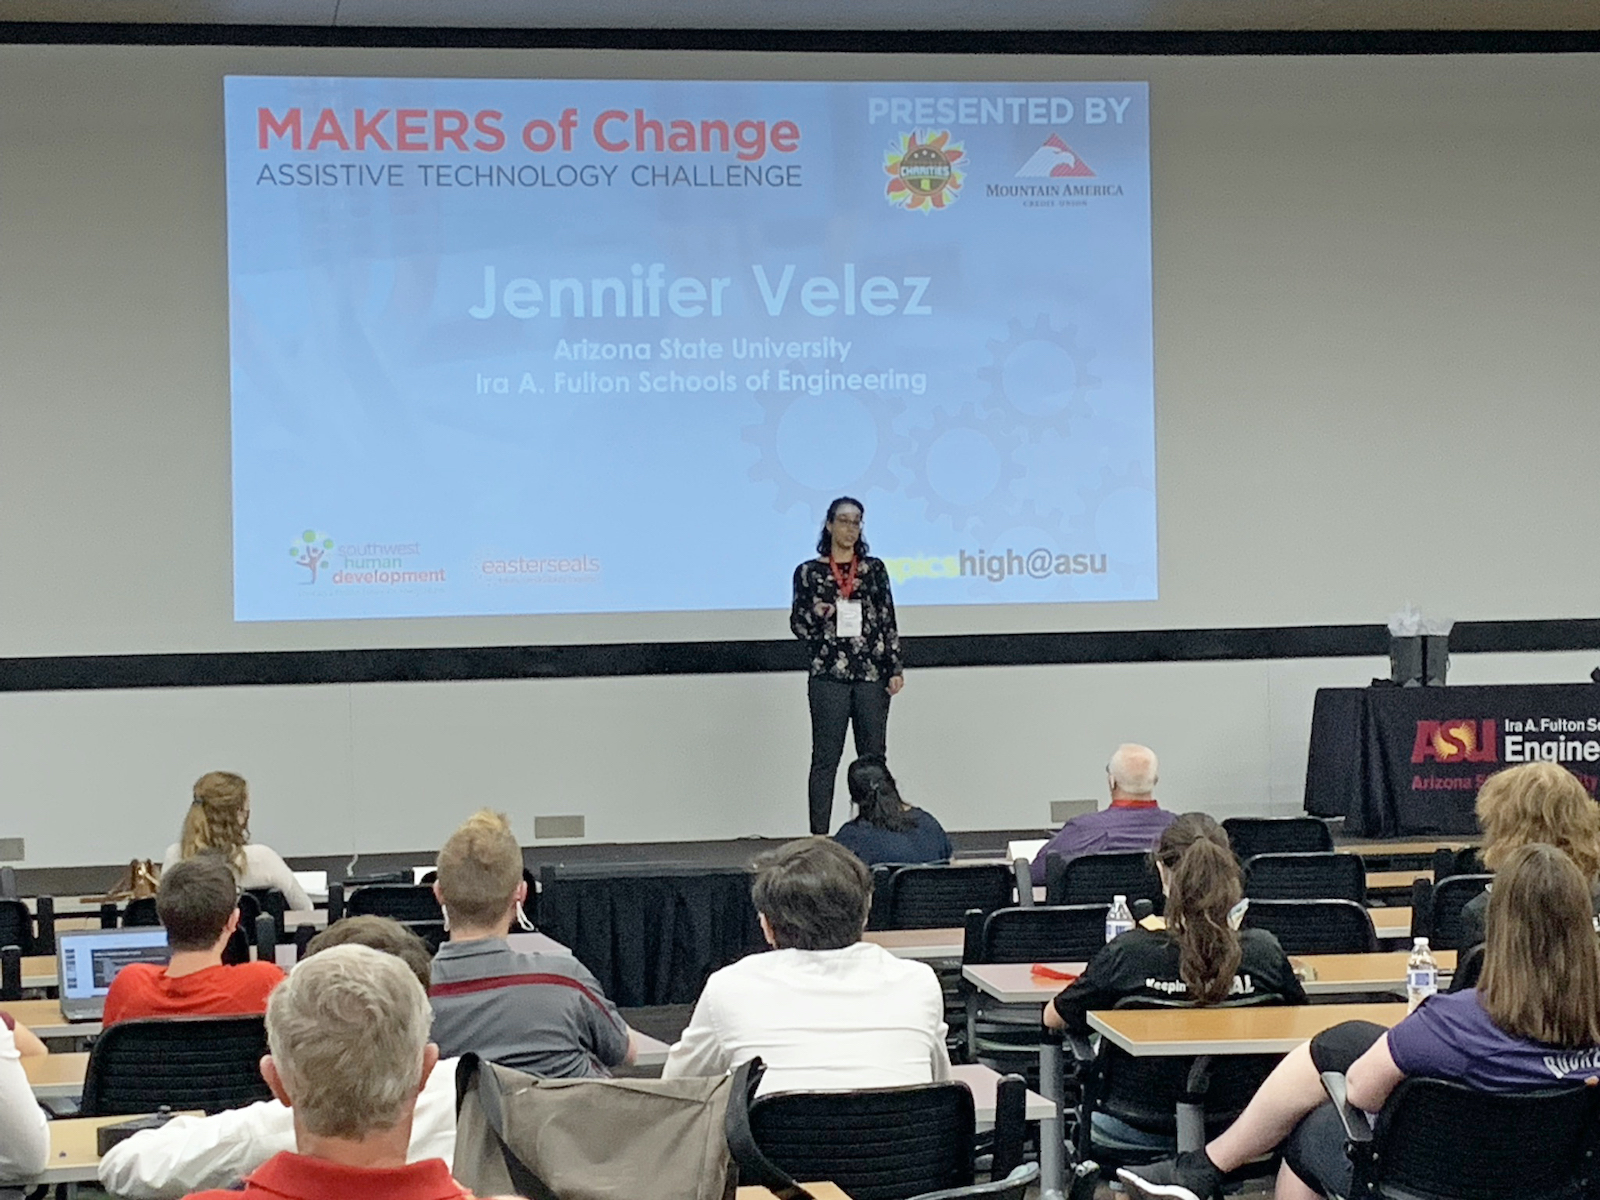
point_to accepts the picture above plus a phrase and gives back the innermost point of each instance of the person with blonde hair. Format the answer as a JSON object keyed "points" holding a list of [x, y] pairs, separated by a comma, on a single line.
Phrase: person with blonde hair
{"points": [[218, 821], [1534, 802], [349, 1055], [540, 1013], [1532, 1022]]}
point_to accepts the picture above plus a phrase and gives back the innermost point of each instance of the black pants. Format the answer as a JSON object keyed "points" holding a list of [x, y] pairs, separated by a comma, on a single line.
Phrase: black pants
{"points": [[1315, 1150], [833, 706]]}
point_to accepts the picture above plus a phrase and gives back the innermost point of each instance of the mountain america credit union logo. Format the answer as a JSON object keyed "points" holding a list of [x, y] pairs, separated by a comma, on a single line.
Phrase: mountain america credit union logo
{"points": [[924, 174], [1455, 742], [1055, 160]]}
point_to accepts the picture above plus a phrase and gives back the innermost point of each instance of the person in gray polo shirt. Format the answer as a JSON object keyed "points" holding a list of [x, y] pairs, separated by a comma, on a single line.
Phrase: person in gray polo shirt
{"points": [[540, 1013]]}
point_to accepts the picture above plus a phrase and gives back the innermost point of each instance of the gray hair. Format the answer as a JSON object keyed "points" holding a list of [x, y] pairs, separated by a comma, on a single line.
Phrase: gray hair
{"points": [[347, 1031], [1133, 769]]}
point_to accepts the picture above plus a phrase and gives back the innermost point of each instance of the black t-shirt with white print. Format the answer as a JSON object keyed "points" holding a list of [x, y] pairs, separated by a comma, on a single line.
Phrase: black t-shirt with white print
{"points": [[1144, 963]]}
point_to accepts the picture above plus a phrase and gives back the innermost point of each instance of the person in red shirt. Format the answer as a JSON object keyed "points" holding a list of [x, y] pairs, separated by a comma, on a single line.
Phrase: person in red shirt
{"points": [[348, 1035], [199, 905]]}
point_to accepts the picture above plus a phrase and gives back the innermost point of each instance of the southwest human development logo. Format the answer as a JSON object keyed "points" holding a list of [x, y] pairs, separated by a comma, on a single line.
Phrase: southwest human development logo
{"points": [[309, 549], [924, 174], [1055, 160]]}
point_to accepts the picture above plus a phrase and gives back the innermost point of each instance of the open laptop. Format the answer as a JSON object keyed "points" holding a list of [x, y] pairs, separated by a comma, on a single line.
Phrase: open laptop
{"points": [[88, 959]]}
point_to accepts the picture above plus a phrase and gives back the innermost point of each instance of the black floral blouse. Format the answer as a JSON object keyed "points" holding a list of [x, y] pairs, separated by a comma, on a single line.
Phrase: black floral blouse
{"points": [[875, 655]]}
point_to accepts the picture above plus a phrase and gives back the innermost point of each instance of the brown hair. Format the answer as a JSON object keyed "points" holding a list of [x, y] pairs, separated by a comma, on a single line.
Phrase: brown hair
{"points": [[195, 899], [1539, 802], [1541, 963], [217, 819], [814, 894], [479, 869], [1203, 885], [380, 933]]}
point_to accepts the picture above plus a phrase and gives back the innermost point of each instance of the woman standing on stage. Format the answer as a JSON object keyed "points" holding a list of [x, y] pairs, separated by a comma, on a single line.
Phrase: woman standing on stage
{"points": [[844, 612]]}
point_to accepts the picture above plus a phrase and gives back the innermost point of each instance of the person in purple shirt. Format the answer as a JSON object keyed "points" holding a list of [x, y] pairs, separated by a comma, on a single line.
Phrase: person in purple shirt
{"points": [[1134, 821], [1532, 1022]]}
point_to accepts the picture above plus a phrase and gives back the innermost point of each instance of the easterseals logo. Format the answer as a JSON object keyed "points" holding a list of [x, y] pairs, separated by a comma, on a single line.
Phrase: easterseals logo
{"points": [[1454, 742], [309, 549], [925, 173], [1055, 160]]}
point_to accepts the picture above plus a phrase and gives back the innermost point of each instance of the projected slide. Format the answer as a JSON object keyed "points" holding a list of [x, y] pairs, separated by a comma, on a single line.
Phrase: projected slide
{"points": [[544, 346]]}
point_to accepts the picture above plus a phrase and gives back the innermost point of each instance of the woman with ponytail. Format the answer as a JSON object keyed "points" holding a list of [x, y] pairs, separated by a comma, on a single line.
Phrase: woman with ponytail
{"points": [[886, 829], [1200, 957], [218, 822]]}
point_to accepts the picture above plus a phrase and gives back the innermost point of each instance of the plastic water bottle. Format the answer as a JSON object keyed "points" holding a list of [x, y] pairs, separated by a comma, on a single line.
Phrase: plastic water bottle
{"points": [[1119, 919], [1422, 974]]}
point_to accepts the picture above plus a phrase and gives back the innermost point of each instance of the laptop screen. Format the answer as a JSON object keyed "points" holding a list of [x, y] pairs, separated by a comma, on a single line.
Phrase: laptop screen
{"points": [[87, 961]]}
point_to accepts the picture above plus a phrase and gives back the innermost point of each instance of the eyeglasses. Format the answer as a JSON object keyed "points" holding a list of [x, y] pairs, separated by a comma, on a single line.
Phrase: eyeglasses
{"points": [[841, 519]]}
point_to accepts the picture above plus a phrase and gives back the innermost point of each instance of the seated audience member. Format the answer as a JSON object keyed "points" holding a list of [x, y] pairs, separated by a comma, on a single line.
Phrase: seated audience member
{"points": [[824, 1009], [1539, 995], [24, 1135], [349, 1055], [27, 1045], [198, 903], [885, 828], [1534, 802], [1132, 822], [540, 1013], [189, 1153], [218, 821]]}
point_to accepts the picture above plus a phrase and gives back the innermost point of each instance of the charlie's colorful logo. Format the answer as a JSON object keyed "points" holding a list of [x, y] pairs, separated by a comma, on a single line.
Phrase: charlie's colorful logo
{"points": [[923, 175], [1455, 742], [1055, 160], [309, 549]]}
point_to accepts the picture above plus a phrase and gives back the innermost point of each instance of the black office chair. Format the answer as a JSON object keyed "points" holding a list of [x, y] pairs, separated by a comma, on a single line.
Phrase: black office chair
{"points": [[1013, 1187], [274, 904], [140, 913], [1315, 926], [1005, 1037], [884, 1143], [1469, 969], [1098, 878], [1276, 835], [1306, 875], [1447, 862], [937, 896], [209, 1063], [1189, 1099], [1447, 930], [403, 901], [16, 926], [1445, 1141]]}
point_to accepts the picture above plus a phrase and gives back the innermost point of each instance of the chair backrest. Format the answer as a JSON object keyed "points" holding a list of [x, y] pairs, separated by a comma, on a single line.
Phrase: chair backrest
{"points": [[402, 901], [880, 1144], [1469, 968], [210, 1063], [237, 949], [1276, 835], [1145, 1092], [1047, 933], [1097, 878], [937, 896], [140, 913], [1315, 926], [1306, 875], [1443, 1139], [1447, 862], [1450, 896], [16, 925], [274, 903]]}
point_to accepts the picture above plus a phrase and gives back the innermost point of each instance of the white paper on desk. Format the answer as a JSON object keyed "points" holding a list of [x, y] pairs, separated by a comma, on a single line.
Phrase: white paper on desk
{"points": [[847, 617]]}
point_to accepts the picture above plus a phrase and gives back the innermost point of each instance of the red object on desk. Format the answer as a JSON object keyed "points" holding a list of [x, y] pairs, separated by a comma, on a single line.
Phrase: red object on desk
{"points": [[1040, 971]]}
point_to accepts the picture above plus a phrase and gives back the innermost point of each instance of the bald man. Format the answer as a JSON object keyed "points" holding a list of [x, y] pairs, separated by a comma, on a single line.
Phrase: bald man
{"points": [[1134, 821]]}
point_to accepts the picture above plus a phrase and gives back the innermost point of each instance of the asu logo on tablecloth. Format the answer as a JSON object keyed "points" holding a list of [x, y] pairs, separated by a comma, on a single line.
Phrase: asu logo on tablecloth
{"points": [[923, 171], [1455, 742]]}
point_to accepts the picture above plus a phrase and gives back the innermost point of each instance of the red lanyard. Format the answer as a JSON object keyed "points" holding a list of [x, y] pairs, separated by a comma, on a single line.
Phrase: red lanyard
{"points": [[847, 583]]}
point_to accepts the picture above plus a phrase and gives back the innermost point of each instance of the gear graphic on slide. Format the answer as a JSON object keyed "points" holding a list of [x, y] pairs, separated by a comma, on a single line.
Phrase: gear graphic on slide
{"points": [[1000, 431], [889, 444], [989, 532], [1076, 388], [1111, 482]]}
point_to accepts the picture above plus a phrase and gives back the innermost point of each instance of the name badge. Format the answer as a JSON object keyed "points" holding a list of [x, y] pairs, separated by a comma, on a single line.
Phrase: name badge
{"points": [[847, 616]]}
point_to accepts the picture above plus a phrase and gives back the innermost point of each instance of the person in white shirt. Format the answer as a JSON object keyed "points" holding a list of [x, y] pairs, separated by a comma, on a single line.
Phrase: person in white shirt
{"points": [[823, 1009], [219, 820], [191, 1154], [24, 1136]]}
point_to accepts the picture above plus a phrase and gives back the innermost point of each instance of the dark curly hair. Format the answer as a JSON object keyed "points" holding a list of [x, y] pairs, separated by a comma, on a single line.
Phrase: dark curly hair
{"points": [[825, 540]]}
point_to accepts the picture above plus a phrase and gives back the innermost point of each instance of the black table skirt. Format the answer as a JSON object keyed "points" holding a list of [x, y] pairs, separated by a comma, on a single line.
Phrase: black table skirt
{"points": [[1396, 762]]}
